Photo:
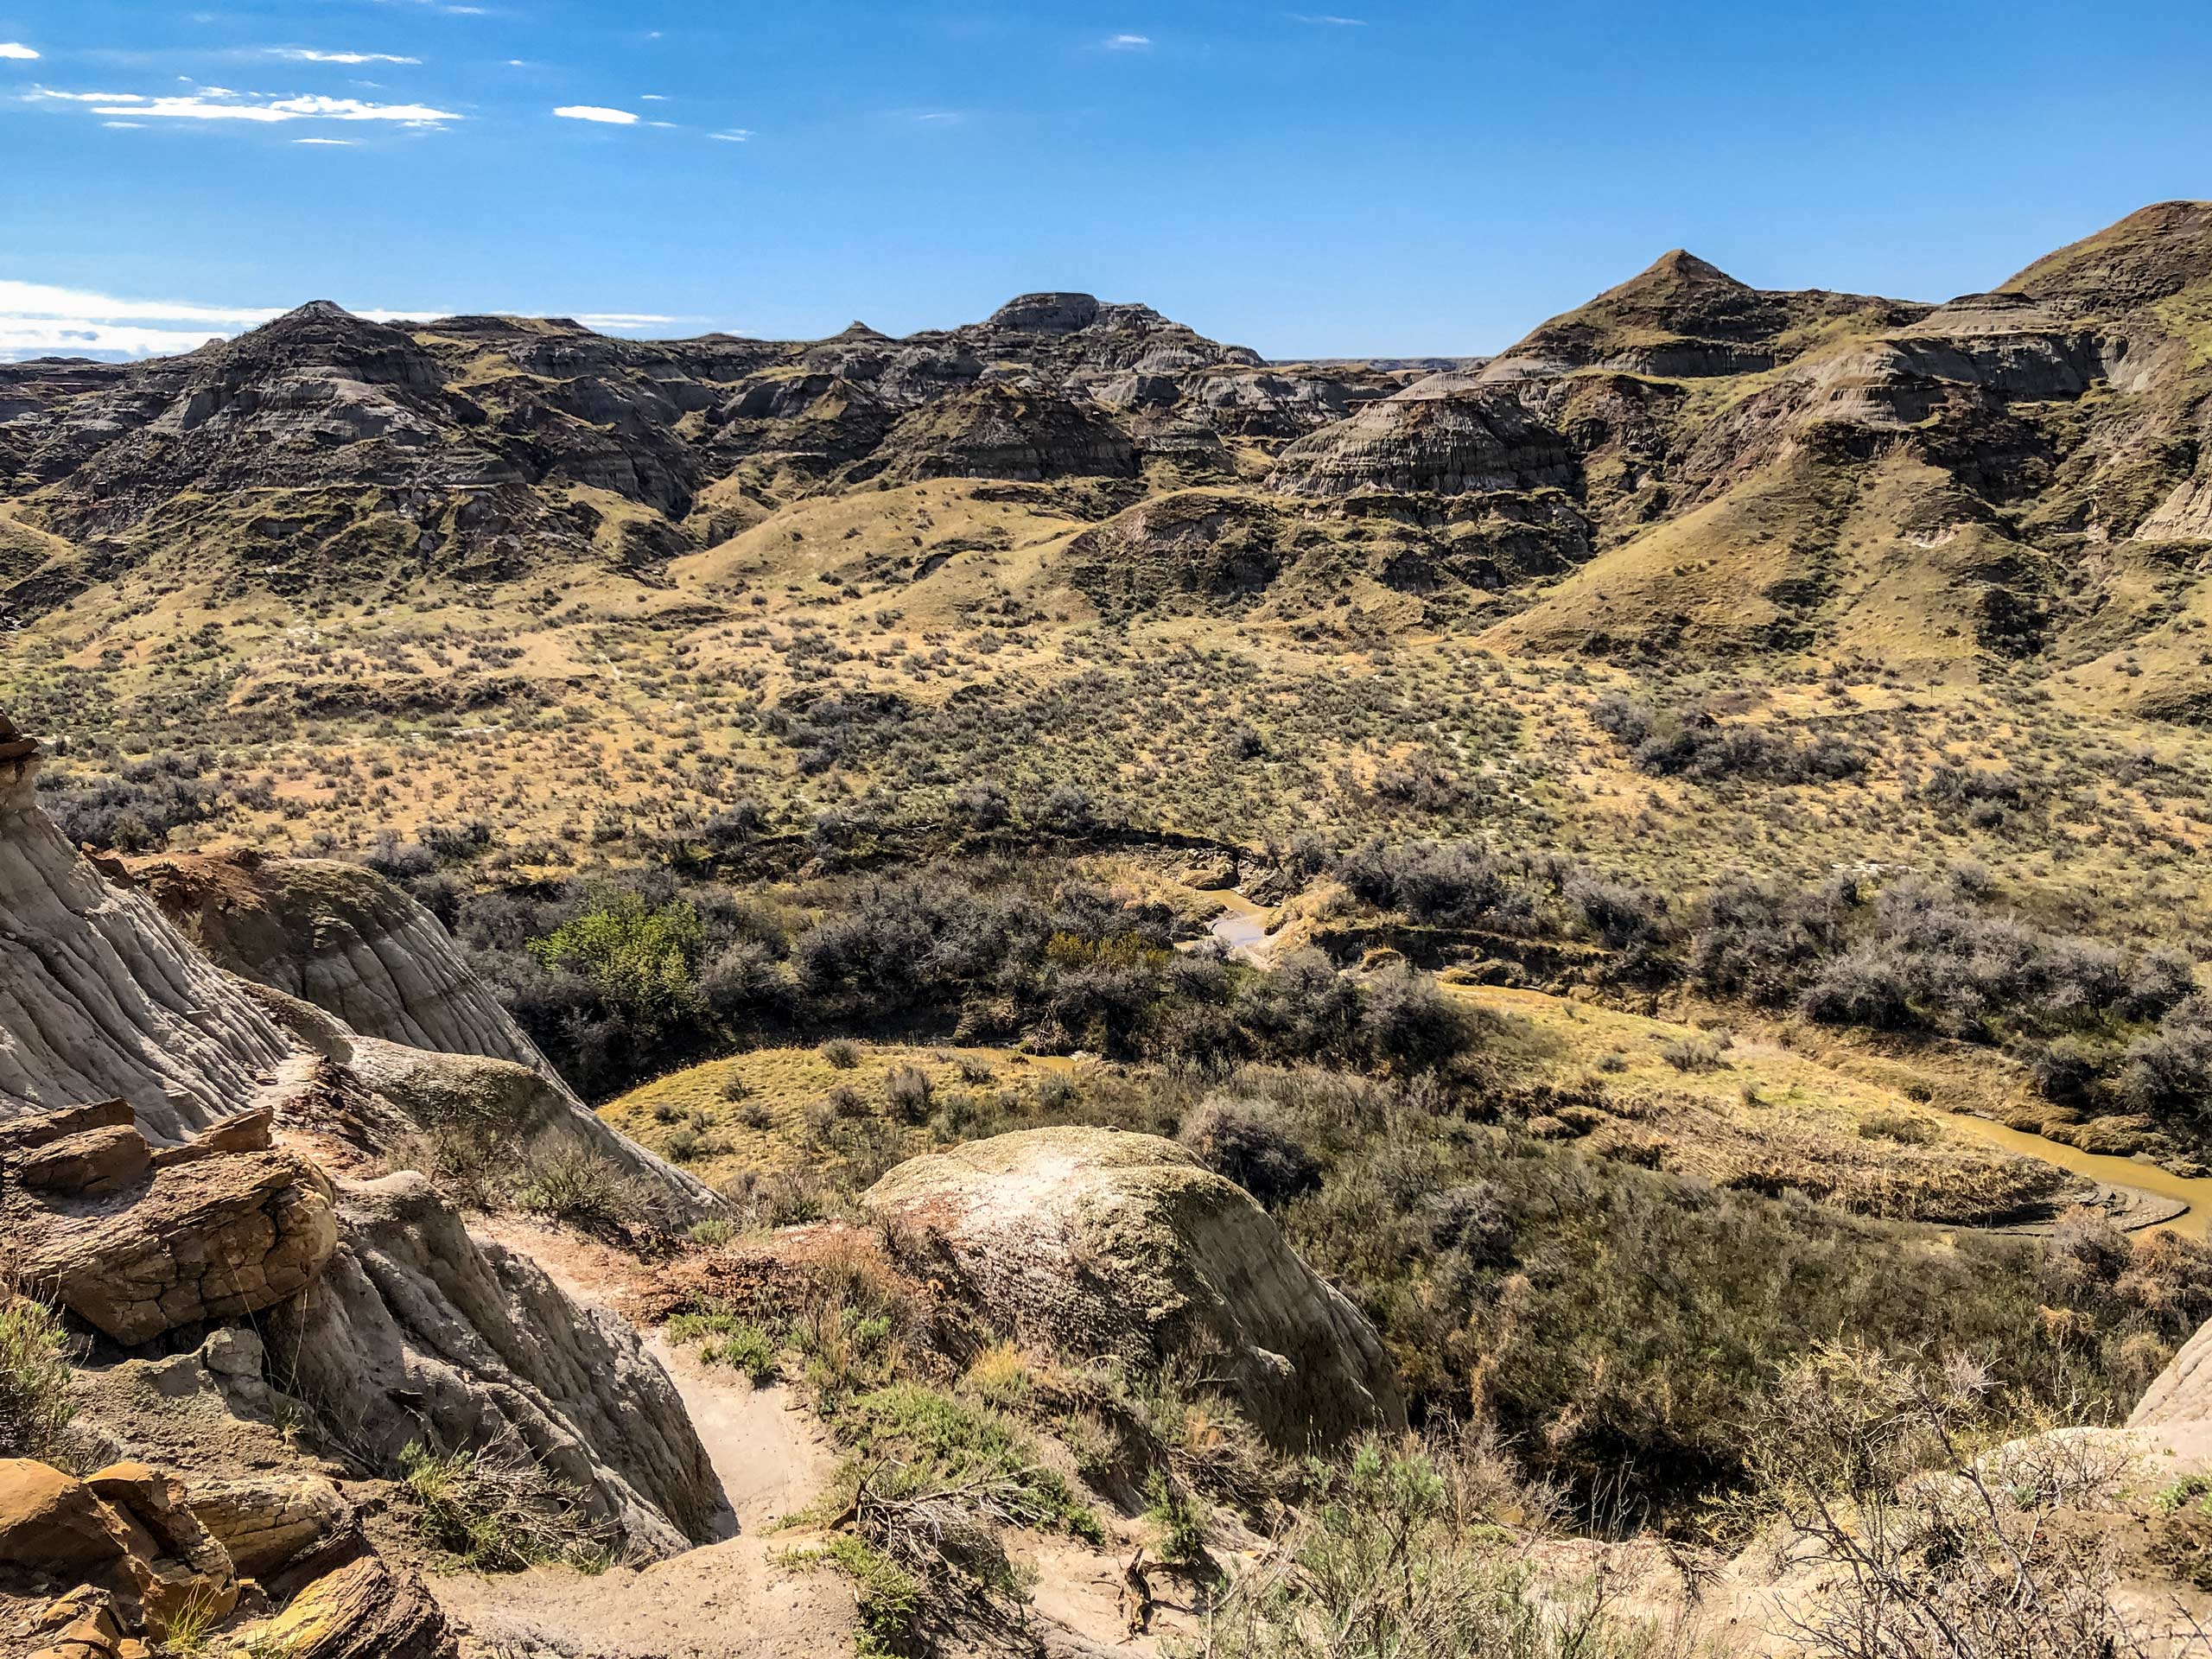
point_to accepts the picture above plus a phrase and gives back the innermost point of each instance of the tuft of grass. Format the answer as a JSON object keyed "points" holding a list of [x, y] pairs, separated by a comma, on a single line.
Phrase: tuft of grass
{"points": [[1178, 1520], [580, 1188], [35, 1405], [500, 1512], [748, 1348]]}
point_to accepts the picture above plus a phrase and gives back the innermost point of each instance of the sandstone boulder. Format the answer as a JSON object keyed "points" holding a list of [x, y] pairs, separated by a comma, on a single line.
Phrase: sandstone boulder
{"points": [[270, 1522], [126, 1530], [215, 1236], [1103, 1244], [366, 1610]]}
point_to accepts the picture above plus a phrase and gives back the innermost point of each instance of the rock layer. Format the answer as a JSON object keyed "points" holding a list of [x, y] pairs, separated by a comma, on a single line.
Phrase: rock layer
{"points": [[420, 1330]]}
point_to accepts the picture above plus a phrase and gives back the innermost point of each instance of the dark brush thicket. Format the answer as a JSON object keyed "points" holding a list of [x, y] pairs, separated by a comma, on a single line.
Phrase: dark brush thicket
{"points": [[1912, 955], [1690, 743], [625, 977]]}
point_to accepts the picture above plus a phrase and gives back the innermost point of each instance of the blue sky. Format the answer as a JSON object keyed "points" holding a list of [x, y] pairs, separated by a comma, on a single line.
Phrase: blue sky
{"points": [[1386, 178]]}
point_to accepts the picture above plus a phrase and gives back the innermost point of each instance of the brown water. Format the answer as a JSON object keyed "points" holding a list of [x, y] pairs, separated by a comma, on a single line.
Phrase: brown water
{"points": [[1243, 926], [2111, 1171]]}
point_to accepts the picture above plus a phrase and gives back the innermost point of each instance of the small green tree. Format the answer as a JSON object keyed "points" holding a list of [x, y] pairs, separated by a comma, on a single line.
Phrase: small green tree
{"points": [[645, 962]]}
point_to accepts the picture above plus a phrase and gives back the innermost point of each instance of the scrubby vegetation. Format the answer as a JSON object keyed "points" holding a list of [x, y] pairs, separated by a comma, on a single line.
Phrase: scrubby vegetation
{"points": [[35, 1408]]}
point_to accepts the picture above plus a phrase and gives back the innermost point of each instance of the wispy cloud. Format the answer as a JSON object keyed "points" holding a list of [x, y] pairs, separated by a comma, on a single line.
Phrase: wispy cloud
{"points": [[41, 319], [308, 54], [221, 104], [1128, 42], [939, 117], [16, 50], [1323, 20], [334, 144], [652, 97], [734, 136], [595, 112]]}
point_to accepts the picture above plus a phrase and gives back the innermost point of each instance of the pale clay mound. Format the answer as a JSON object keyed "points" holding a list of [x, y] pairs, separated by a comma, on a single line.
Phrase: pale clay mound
{"points": [[1097, 1243]]}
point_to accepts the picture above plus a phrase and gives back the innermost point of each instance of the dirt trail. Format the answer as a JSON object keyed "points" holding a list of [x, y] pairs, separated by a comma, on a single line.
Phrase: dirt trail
{"points": [[727, 1599]]}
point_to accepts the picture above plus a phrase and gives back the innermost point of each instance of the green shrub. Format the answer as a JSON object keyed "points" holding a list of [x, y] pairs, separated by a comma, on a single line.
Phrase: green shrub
{"points": [[580, 1187], [1178, 1520], [642, 960], [35, 1404], [749, 1349]]}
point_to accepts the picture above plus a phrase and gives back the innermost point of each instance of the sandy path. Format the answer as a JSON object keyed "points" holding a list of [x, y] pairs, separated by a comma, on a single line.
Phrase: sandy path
{"points": [[724, 1600]]}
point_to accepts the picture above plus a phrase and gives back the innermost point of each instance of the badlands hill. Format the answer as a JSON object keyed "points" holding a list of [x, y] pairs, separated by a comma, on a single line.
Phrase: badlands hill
{"points": [[1722, 468]]}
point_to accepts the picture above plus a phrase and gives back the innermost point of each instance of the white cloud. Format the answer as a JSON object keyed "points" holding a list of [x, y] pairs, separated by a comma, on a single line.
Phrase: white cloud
{"points": [[340, 143], [734, 136], [41, 320], [304, 54], [1128, 42], [221, 104], [1326, 21], [939, 117], [652, 97], [16, 50], [38, 319], [123, 126], [42, 300], [593, 112]]}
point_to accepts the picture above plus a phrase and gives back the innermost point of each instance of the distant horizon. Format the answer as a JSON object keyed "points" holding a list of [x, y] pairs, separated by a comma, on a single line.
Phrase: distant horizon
{"points": [[1392, 180], [633, 327]]}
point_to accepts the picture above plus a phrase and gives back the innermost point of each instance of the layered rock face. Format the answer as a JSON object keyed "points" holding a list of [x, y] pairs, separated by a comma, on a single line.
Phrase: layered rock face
{"points": [[1193, 551], [138, 1241], [1103, 1244], [410, 1018], [472, 447], [99, 999], [1445, 436], [341, 937], [420, 1328], [394, 1321]]}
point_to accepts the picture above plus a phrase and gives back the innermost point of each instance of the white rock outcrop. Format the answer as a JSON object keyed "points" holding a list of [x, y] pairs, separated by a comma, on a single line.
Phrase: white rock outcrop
{"points": [[100, 998], [1103, 1244]]}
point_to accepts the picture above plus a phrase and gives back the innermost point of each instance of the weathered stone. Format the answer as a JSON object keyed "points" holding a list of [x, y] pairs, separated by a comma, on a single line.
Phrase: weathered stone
{"points": [[226, 1236], [420, 1329], [175, 1561], [266, 1524], [366, 1610], [90, 1165], [53, 1522], [1106, 1244]]}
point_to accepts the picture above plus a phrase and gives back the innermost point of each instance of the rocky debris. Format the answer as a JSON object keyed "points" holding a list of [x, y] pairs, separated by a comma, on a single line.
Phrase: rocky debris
{"points": [[269, 1523], [137, 1244], [126, 1530], [142, 1550], [419, 1331], [367, 1610], [1098, 1243], [100, 998], [84, 1625], [1445, 436]]}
